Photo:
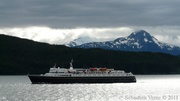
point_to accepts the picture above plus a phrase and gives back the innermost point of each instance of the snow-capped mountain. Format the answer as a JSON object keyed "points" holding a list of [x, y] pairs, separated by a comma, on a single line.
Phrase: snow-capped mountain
{"points": [[80, 41], [136, 41]]}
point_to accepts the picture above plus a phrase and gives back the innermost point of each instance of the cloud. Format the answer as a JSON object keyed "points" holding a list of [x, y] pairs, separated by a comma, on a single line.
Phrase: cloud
{"points": [[41, 34], [167, 34], [89, 14], [61, 36], [60, 21]]}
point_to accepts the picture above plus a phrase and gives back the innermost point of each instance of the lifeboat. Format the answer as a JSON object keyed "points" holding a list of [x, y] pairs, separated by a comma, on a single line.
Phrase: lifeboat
{"points": [[93, 69], [102, 69]]}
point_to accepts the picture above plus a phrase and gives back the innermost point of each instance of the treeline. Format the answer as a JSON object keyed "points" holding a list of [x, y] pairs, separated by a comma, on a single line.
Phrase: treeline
{"points": [[21, 56]]}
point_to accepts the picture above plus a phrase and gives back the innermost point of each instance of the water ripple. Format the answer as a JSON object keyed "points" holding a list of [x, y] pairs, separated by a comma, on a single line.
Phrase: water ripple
{"points": [[22, 90]]}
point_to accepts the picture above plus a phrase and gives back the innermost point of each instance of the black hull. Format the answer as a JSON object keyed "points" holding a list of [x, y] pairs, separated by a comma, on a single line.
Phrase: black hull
{"points": [[36, 79]]}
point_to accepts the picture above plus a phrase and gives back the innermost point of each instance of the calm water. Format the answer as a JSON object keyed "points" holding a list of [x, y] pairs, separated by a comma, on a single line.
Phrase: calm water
{"points": [[147, 88]]}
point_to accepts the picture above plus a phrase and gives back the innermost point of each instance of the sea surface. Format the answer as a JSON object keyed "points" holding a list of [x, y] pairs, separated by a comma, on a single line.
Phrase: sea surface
{"points": [[147, 88]]}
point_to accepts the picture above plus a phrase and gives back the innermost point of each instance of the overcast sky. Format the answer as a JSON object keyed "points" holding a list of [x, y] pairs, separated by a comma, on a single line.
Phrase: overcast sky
{"points": [[59, 21]]}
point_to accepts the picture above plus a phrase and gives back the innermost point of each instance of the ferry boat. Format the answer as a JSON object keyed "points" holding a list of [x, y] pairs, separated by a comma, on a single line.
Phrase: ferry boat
{"points": [[91, 75]]}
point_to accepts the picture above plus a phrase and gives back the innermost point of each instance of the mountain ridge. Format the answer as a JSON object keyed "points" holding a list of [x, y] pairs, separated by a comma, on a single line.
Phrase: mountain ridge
{"points": [[141, 41], [21, 57]]}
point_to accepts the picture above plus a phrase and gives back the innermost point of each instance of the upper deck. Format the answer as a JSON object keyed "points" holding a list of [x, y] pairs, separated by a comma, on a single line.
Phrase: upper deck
{"points": [[94, 71]]}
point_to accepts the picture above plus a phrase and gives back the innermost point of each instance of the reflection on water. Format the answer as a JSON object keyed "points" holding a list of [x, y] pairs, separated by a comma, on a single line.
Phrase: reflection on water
{"points": [[147, 88]]}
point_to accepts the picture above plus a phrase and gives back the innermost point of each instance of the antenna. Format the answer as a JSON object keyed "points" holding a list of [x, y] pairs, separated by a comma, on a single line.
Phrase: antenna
{"points": [[72, 60], [71, 66], [54, 65]]}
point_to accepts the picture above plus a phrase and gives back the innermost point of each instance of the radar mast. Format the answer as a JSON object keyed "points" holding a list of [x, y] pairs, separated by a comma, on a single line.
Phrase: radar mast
{"points": [[71, 65]]}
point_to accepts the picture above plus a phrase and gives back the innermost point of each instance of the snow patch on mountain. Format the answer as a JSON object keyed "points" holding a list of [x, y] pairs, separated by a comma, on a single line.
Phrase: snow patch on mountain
{"points": [[136, 41], [81, 40]]}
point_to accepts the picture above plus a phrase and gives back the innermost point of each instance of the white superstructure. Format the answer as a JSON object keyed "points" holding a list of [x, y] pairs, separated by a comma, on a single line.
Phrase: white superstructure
{"points": [[54, 71]]}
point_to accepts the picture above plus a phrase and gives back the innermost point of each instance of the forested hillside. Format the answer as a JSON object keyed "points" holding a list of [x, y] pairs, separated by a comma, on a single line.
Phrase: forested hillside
{"points": [[21, 56]]}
